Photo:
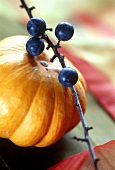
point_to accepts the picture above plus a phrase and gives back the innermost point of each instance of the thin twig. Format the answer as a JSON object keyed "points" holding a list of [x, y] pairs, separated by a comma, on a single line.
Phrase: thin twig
{"points": [[85, 127], [77, 103], [28, 10]]}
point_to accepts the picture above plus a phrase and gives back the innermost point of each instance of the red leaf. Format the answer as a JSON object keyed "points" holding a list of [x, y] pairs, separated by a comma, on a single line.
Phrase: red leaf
{"points": [[83, 161]]}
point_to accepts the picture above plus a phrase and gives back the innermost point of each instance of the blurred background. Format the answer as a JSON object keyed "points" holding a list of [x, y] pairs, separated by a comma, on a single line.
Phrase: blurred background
{"points": [[93, 42]]}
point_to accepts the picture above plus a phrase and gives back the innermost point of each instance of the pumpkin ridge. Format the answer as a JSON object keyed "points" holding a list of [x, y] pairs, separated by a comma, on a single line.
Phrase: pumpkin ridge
{"points": [[31, 99], [12, 75], [62, 130], [48, 127], [18, 126], [32, 142]]}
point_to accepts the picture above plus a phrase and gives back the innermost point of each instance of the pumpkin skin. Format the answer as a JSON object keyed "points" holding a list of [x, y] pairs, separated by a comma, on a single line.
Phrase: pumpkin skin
{"points": [[35, 109]]}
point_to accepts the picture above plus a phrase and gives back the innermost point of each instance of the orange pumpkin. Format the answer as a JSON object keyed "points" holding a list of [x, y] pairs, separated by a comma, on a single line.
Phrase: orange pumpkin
{"points": [[35, 109]]}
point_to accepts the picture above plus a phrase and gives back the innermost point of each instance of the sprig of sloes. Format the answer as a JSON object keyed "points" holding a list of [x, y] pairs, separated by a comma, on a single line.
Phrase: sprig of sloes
{"points": [[68, 76]]}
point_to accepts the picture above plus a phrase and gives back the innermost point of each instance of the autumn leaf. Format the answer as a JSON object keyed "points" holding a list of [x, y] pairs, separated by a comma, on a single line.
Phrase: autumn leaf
{"points": [[83, 161]]}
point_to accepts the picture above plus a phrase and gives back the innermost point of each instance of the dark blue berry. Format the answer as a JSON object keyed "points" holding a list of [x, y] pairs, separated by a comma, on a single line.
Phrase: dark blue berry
{"points": [[68, 77], [64, 31], [35, 46], [36, 26]]}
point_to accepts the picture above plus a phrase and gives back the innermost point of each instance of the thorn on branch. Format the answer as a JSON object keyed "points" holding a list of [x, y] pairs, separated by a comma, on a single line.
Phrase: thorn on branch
{"points": [[47, 48], [57, 45], [52, 59], [21, 6], [31, 8], [89, 128], [76, 104], [80, 139], [97, 159]]}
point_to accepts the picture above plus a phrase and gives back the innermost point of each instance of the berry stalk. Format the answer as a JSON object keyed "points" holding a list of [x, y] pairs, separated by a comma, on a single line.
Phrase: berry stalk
{"points": [[67, 76]]}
